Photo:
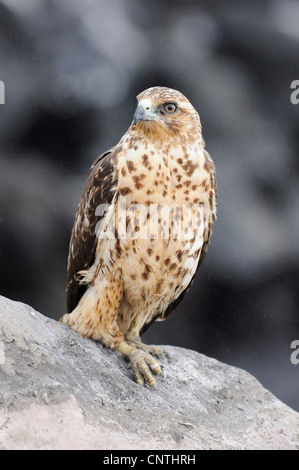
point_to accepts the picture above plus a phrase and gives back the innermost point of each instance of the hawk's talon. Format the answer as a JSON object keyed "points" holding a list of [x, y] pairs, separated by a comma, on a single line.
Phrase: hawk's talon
{"points": [[142, 364]]}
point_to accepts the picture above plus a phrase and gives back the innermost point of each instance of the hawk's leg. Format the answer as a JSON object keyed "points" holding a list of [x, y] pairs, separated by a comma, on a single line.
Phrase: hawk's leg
{"points": [[136, 342], [142, 363], [96, 313], [95, 317]]}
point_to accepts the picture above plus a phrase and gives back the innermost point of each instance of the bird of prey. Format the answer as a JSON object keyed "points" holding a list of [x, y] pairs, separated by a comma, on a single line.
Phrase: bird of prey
{"points": [[133, 251]]}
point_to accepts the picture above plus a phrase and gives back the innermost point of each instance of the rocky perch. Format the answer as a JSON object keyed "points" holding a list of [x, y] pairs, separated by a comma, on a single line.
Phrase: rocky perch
{"points": [[61, 391]]}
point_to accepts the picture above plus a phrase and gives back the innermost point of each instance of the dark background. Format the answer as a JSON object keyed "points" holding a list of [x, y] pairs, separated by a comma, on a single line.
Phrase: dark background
{"points": [[72, 69]]}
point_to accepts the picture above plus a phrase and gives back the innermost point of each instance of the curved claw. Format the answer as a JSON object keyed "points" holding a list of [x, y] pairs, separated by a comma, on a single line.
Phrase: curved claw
{"points": [[142, 364]]}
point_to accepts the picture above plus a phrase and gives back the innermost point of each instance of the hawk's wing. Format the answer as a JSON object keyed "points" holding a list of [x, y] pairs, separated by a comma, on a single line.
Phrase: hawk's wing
{"points": [[99, 189]]}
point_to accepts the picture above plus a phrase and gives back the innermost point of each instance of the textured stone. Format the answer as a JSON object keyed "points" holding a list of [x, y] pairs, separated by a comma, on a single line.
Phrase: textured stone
{"points": [[61, 391]]}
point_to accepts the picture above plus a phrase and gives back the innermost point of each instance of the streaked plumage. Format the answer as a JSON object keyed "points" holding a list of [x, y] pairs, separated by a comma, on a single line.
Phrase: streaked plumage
{"points": [[117, 287]]}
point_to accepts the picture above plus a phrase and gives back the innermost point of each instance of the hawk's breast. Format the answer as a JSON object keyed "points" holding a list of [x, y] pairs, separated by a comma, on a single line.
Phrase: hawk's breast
{"points": [[164, 200]]}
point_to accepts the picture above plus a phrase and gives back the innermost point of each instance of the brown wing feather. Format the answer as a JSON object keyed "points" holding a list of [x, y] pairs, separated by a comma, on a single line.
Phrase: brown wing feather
{"points": [[99, 189]]}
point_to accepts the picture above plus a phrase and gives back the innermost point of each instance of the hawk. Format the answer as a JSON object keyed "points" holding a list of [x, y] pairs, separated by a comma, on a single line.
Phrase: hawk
{"points": [[119, 282]]}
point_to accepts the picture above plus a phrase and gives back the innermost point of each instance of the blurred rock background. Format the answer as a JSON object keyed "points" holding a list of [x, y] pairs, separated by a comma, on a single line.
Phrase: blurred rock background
{"points": [[72, 70]]}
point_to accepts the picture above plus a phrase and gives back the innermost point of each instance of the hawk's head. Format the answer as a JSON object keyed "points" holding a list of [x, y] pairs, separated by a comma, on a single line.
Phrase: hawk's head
{"points": [[164, 112]]}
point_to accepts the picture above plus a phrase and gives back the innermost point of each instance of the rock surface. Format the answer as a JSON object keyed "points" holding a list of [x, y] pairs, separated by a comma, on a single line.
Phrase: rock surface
{"points": [[60, 391]]}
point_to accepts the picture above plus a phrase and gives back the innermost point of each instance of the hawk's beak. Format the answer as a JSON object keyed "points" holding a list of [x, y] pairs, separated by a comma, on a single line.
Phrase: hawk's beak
{"points": [[139, 114], [144, 112]]}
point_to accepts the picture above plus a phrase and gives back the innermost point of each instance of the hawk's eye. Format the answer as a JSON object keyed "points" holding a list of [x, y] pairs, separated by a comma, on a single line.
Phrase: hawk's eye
{"points": [[170, 107]]}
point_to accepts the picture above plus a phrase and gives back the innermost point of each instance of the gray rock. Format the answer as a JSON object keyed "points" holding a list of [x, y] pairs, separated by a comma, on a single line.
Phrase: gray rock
{"points": [[61, 391]]}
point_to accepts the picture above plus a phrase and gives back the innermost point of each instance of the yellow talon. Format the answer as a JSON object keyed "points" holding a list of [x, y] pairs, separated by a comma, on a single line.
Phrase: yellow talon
{"points": [[138, 361]]}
